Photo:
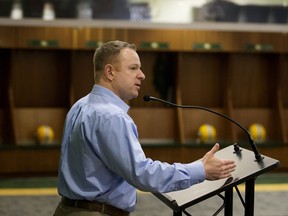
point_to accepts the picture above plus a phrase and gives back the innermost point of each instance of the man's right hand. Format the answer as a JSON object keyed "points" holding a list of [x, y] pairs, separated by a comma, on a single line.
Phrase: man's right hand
{"points": [[216, 168]]}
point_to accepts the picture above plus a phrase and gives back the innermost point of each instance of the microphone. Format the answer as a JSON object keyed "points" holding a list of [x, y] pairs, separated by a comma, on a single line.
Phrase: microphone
{"points": [[258, 156]]}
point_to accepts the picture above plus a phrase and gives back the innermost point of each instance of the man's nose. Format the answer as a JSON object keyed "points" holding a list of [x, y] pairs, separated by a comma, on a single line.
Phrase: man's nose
{"points": [[142, 75]]}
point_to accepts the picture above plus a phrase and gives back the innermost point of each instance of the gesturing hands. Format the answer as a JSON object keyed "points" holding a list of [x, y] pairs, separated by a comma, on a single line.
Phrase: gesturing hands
{"points": [[216, 168]]}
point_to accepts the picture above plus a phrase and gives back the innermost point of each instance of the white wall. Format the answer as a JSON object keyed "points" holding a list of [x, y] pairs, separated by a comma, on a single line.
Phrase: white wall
{"points": [[181, 11]]}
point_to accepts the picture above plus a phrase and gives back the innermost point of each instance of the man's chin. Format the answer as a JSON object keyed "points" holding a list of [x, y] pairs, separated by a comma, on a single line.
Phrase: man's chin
{"points": [[134, 96]]}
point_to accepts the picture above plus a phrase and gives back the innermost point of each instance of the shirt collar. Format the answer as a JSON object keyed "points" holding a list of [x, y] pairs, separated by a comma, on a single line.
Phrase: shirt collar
{"points": [[111, 96]]}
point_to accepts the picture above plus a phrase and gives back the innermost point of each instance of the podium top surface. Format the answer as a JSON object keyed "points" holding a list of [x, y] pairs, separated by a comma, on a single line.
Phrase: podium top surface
{"points": [[247, 168]]}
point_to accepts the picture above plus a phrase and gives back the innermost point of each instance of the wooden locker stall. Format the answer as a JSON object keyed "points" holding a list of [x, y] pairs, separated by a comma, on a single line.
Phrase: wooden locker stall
{"points": [[7, 42], [39, 92], [254, 92], [202, 82]]}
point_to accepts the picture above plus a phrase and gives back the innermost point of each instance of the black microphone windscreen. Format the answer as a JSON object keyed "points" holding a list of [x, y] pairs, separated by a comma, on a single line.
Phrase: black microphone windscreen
{"points": [[146, 98]]}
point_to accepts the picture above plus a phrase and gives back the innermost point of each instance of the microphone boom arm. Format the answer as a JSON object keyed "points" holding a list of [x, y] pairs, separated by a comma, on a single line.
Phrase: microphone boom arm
{"points": [[258, 156]]}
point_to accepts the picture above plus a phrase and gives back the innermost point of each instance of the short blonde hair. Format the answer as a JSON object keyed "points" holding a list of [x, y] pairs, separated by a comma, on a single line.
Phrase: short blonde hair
{"points": [[108, 54]]}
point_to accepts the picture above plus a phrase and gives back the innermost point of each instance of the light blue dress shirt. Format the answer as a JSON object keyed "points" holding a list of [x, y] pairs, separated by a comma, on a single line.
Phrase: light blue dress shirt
{"points": [[102, 159]]}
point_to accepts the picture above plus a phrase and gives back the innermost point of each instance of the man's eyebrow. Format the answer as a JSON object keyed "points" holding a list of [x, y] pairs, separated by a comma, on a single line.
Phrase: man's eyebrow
{"points": [[136, 64]]}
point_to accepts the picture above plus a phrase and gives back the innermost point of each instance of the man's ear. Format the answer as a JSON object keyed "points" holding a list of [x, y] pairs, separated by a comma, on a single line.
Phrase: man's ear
{"points": [[109, 72]]}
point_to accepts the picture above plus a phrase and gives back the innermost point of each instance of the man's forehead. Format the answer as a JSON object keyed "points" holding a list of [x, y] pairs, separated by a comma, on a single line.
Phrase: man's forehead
{"points": [[128, 51], [129, 54]]}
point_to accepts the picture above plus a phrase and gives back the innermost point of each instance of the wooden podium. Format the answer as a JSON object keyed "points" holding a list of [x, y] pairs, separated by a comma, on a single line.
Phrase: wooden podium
{"points": [[246, 172]]}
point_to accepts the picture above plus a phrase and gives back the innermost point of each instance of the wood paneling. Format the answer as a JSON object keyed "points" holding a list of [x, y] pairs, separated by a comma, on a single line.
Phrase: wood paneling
{"points": [[7, 37], [155, 124], [210, 41], [44, 70], [45, 38], [88, 38], [156, 39], [40, 78], [202, 79], [262, 42]]}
